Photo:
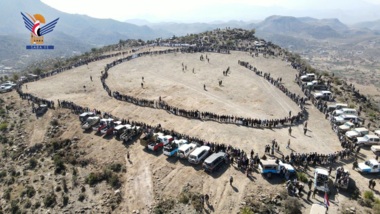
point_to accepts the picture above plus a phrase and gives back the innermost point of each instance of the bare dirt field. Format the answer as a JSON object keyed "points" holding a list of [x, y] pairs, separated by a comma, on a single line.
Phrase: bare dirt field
{"points": [[154, 176]]}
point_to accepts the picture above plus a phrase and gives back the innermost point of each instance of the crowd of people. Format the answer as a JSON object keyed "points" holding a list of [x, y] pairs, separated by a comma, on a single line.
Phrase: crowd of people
{"points": [[210, 116], [235, 155]]}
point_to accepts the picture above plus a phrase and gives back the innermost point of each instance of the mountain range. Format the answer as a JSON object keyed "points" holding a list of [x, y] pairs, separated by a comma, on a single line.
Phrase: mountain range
{"points": [[79, 33]]}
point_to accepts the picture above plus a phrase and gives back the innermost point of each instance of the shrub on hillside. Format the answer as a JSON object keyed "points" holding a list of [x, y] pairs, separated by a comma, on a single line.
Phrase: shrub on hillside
{"points": [[50, 200], [292, 206], [3, 126], [32, 163], [302, 177]]}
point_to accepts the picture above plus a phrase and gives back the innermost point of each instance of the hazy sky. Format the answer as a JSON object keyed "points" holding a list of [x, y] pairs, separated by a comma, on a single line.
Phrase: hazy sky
{"points": [[195, 10]]}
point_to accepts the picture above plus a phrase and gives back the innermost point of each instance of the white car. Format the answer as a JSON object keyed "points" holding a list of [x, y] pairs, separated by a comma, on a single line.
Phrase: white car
{"points": [[308, 77], [4, 89], [325, 95], [368, 140], [370, 166], [9, 83]]}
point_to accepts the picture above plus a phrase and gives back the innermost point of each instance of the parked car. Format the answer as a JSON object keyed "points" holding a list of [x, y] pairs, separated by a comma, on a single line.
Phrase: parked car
{"points": [[9, 84], [160, 142], [350, 111], [321, 179], [377, 132], [270, 167], [336, 106], [214, 161], [346, 127], [103, 123], [41, 109], [4, 89], [356, 132], [368, 140], [83, 117], [165, 139], [375, 150], [131, 132], [90, 122], [308, 77], [172, 148], [369, 166], [199, 154], [341, 119], [108, 129], [185, 150], [119, 129], [324, 95]]}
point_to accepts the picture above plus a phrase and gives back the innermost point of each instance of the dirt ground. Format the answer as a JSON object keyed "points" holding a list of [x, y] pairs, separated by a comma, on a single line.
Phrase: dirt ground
{"points": [[154, 176]]}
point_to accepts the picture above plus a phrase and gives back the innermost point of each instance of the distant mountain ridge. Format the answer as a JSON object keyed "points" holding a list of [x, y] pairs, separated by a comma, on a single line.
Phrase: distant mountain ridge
{"points": [[72, 34]]}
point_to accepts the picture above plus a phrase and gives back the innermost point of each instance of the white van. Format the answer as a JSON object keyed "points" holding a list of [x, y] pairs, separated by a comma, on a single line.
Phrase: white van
{"points": [[350, 111], [185, 150], [199, 154]]}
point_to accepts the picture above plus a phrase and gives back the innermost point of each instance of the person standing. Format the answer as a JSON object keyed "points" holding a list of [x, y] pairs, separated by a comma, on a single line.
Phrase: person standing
{"points": [[314, 192], [231, 180], [288, 146], [304, 130], [370, 183], [290, 130], [308, 195]]}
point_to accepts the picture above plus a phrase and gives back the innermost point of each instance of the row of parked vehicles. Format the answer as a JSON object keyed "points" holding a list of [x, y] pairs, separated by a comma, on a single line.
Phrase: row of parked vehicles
{"points": [[310, 82], [108, 127], [346, 119], [183, 149]]}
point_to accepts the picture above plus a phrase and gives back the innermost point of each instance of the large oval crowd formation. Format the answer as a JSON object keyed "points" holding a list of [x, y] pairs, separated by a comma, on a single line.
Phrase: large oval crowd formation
{"points": [[243, 159]]}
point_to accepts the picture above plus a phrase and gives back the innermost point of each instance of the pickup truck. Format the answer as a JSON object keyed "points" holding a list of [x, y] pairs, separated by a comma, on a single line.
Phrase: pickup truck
{"points": [[160, 142], [83, 117], [345, 127], [352, 135], [108, 130], [321, 180], [269, 167], [90, 122], [369, 166], [172, 148], [342, 178], [130, 133], [102, 124], [368, 140]]}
